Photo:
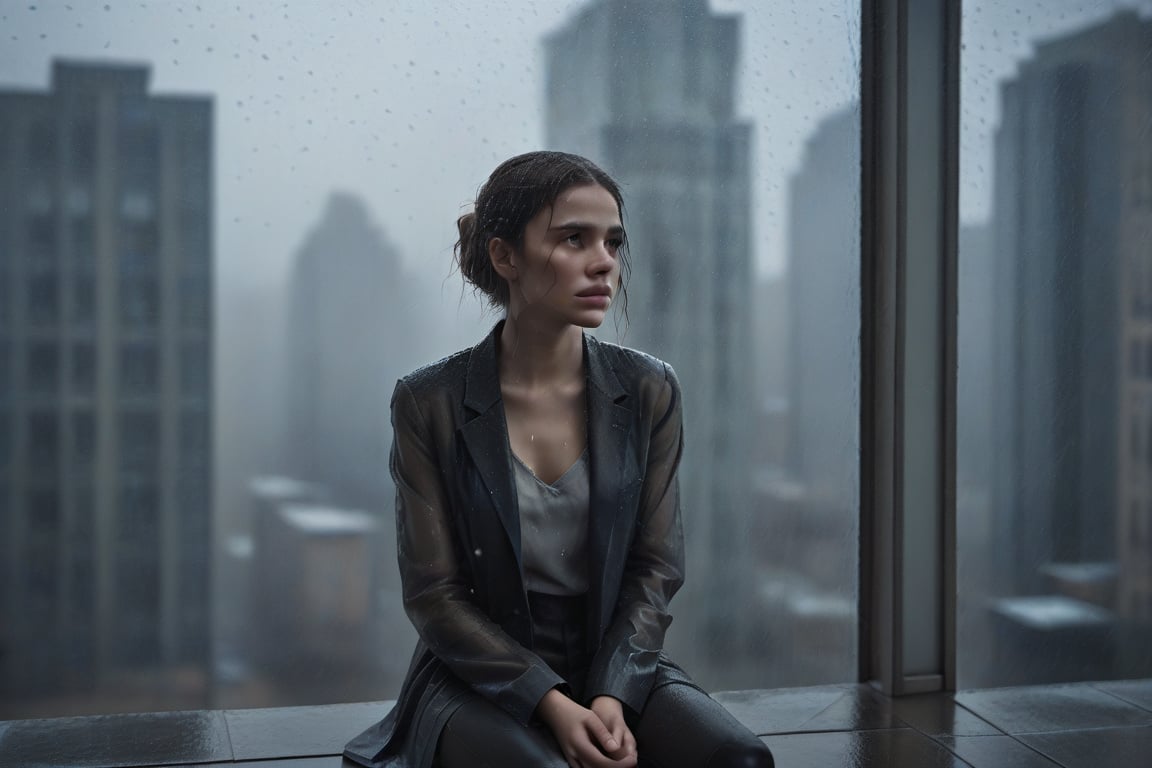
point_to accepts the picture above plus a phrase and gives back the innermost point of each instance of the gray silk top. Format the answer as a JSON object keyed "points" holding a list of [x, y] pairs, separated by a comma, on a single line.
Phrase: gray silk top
{"points": [[554, 529]]}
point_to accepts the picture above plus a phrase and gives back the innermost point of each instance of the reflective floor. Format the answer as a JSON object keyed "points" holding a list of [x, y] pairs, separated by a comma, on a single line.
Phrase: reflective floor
{"points": [[1099, 725]]}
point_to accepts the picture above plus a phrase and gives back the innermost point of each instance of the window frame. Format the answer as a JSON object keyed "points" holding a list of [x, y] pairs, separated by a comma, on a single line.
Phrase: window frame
{"points": [[910, 114]]}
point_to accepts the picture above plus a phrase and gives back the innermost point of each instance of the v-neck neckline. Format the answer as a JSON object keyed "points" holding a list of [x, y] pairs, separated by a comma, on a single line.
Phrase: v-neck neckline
{"points": [[558, 481]]}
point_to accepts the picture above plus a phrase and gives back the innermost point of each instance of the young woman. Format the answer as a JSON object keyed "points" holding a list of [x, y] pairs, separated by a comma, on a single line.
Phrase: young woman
{"points": [[537, 512]]}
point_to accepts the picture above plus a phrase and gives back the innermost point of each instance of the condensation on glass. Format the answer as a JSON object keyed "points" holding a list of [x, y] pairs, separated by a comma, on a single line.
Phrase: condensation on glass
{"points": [[1055, 384], [225, 234]]}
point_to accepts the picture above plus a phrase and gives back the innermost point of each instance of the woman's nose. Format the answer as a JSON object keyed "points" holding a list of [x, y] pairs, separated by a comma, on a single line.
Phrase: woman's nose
{"points": [[602, 262]]}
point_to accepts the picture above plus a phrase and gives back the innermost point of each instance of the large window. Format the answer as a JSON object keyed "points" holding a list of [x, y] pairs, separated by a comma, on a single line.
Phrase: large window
{"points": [[1054, 471], [264, 246]]}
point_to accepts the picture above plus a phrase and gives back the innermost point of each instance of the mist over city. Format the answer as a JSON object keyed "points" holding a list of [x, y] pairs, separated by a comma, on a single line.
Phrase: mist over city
{"points": [[226, 230]]}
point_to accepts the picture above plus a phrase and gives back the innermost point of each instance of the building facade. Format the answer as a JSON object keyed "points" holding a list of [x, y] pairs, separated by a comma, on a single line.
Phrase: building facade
{"points": [[820, 495], [347, 343], [105, 386], [1072, 487], [651, 98]]}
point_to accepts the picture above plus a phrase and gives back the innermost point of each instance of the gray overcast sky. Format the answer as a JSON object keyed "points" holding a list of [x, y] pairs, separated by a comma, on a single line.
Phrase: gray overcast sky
{"points": [[410, 104]]}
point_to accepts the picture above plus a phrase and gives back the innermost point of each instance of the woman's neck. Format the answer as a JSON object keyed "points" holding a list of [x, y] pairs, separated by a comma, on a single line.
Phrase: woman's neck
{"points": [[533, 357]]}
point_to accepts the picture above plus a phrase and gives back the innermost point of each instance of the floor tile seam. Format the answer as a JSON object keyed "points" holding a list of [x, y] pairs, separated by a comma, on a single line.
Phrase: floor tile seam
{"points": [[1047, 757], [909, 724], [830, 730], [1127, 701], [933, 735], [1135, 727], [802, 729], [246, 761], [951, 751], [1025, 745], [981, 718], [831, 704], [228, 733]]}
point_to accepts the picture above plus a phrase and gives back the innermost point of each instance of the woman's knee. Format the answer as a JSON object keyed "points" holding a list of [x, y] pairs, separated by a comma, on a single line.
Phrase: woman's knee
{"points": [[480, 735], [742, 755]]}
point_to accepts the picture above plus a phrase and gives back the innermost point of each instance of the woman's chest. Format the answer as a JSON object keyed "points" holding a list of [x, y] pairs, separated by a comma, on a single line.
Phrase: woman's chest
{"points": [[547, 436]]}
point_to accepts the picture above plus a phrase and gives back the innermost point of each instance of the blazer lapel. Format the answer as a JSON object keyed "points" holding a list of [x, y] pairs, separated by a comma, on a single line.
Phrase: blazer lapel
{"points": [[486, 437], [610, 423]]}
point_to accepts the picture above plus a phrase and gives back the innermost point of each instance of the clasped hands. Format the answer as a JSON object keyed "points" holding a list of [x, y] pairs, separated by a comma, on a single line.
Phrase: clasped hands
{"points": [[592, 737]]}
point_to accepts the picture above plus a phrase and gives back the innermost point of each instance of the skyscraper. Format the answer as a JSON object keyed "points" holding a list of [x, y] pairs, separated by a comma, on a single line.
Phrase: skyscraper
{"points": [[822, 465], [1072, 216], [823, 276], [105, 387], [651, 98], [346, 348]]}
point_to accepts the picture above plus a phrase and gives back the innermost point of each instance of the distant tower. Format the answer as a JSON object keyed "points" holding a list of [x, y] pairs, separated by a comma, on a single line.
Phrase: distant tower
{"points": [[1073, 353], [823, 294], [651, 97], [347, 312], [105, 387], [823, 276]]}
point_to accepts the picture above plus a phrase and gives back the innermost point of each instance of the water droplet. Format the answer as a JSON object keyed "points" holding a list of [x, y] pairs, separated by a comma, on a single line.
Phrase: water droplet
{"points": [[478, 552]]}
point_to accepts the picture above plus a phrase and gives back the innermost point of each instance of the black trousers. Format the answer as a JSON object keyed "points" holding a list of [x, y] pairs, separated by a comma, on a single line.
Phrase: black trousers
{"points": [[680, 726]]}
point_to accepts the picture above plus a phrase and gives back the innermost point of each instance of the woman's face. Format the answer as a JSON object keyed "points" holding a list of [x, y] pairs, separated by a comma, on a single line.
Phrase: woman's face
{"points": [[567, 269]]}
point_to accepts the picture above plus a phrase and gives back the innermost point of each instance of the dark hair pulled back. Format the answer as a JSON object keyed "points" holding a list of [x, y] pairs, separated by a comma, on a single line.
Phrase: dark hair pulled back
{"points": [[516, 191]]}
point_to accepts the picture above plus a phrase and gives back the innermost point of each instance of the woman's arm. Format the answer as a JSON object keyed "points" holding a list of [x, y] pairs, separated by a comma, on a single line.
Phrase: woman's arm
{"points": [[625, 666], [436, 593]]}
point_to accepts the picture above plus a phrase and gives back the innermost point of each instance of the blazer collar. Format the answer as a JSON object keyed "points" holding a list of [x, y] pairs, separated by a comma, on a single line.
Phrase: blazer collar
{"points": [[610, 424], [482, 387]]}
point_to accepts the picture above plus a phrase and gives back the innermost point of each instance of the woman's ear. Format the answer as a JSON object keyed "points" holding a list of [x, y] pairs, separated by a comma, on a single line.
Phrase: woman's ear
{"points": [[503, 258]]}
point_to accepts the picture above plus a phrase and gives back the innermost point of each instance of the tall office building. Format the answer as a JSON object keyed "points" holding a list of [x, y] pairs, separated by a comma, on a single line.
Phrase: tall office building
{"points": [[651, 98], [1072, 216], [816, 497], [823, 276], [349, 321], [105, 390]]}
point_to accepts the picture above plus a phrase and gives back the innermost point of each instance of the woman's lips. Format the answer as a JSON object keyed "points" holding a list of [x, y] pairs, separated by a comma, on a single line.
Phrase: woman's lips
{"points": [[594, 299]]}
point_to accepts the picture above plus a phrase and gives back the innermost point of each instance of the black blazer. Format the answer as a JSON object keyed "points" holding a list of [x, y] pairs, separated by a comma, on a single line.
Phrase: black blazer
{"points": [[458, 541]]}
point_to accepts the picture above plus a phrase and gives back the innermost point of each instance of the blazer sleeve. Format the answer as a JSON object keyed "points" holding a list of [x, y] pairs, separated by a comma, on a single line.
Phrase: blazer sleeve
{"points": [[436, 592], [625, 664]]}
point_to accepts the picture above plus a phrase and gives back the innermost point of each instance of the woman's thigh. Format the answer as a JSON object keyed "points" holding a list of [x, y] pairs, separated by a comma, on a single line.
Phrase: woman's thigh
{"points": [[480, 734], [682, 727]]}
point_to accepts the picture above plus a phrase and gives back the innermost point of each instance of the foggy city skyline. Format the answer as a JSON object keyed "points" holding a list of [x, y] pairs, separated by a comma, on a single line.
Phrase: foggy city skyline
{"points": [[356, 133], [357, 108]]}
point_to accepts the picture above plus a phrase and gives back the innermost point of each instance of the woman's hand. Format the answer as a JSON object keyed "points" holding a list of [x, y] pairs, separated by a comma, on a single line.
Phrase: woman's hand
{"points": [[584, 738], [611, 713]]}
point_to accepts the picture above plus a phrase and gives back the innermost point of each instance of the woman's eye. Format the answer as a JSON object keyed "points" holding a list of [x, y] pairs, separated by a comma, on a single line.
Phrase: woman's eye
{"points": [[573, 239], [615, 243]]}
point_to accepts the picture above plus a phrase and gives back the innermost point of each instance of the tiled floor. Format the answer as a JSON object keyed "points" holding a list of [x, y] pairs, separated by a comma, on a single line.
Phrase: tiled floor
{"points": [[1099, 725]]}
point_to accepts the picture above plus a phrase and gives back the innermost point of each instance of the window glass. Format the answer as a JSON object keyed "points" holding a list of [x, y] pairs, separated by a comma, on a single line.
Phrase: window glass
{"points": [[7, 388], [43, 370], [139, 369], [43, 298], [5, 292], [83, 299], [264, 201], [83, 368], [1054, 469], [5, 444]]}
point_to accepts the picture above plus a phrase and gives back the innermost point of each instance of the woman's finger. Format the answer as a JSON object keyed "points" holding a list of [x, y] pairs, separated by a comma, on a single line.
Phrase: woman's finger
{"points": [[602, 735]]}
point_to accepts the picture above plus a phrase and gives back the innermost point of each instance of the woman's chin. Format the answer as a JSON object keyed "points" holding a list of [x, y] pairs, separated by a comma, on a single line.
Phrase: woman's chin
{"points": [[589, 320]]}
